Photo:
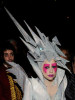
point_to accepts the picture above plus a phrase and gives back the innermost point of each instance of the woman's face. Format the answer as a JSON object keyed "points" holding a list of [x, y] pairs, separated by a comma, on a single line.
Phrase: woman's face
{"points": [[49, 69]]}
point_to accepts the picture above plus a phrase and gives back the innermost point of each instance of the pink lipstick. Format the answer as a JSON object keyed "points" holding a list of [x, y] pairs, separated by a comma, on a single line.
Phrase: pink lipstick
{"points": [[51, 75]]}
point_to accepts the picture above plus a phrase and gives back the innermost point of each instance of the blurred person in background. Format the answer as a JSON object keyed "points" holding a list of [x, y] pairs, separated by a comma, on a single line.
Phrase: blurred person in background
{"points": [[13, 73], [20, 56], [68, 56], [73, 63]]}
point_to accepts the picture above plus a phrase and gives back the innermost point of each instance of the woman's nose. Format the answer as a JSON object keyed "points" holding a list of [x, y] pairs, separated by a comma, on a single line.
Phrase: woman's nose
{"points": [[51, 70]]}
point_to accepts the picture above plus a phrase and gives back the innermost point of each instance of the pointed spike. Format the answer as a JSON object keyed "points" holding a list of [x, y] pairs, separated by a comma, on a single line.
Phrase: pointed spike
{"points": [[63, 66], [36, 38], [22, 31], [56, 41], [39, 32], [30, 47], [42, 36], [35, 67], [59, 51]]}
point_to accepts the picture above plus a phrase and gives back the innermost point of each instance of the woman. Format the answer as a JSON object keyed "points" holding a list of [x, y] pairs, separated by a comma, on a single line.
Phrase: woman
{"points": [[52, 87], [44, 56]]}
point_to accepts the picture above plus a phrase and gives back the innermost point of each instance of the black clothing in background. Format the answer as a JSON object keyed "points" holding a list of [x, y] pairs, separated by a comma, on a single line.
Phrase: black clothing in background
{"points": [[70, 90]]}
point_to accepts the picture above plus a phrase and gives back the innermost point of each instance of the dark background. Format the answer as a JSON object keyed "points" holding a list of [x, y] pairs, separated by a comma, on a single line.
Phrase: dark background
{"points": [[52, 17]]}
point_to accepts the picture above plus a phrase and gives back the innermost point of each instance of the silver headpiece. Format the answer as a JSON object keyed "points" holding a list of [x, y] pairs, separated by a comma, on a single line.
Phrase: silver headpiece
{"points": [[40, 48]]}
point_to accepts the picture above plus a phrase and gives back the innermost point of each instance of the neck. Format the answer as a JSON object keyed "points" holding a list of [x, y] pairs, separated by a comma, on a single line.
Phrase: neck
{"points": [[48, 83]]}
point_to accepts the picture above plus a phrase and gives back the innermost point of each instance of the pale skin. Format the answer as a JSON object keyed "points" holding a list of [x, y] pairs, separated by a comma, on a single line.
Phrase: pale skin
{"points": [[8, 55], [49, 69]]}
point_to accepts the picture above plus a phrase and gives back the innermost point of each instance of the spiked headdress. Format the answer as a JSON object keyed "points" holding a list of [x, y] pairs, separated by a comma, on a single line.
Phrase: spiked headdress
{"points": [[40, 48]]}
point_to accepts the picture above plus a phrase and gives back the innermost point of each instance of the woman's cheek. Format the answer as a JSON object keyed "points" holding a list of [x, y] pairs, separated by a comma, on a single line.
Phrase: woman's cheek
{"points": [[55, 69], [44, 69]]}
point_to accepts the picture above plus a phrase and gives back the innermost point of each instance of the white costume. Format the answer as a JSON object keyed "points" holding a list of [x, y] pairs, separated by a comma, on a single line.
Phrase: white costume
{"points": [[19, 72], [36, 90], [40, 48]]}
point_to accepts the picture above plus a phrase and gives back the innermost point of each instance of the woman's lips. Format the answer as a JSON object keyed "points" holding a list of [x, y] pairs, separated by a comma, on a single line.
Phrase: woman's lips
{"points": [[51, 75]]}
